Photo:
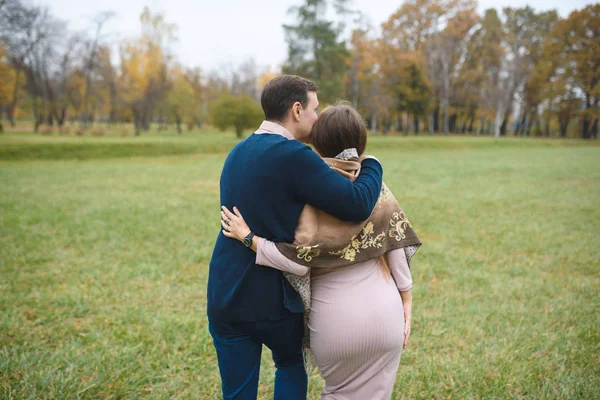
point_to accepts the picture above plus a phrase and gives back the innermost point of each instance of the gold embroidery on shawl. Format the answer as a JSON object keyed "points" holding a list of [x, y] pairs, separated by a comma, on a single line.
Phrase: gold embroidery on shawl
{"points": [[398, 225], [307, 253], [367, 240]]}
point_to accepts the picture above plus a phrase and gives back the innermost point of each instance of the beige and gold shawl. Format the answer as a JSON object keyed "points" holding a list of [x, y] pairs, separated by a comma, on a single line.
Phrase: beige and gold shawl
{"points": [[323, 241]]}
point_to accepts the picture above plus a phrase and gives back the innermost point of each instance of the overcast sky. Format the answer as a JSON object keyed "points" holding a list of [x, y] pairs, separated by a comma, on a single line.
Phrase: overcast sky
{"points": [[214, 33]]}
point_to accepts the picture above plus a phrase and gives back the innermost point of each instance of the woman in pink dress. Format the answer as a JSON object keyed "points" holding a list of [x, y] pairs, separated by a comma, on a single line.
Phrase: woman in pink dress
{"points": [[359, 311]]}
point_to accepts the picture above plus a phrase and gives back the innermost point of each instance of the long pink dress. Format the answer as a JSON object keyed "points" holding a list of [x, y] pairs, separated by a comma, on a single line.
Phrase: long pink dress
{"points": [[356, 322]]}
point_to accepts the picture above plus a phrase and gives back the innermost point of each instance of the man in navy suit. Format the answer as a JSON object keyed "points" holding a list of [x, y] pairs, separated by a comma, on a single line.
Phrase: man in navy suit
{"points": [[270, 177]]}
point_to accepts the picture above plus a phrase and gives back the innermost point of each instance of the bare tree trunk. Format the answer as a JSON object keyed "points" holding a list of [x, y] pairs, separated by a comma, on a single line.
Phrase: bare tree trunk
{"points": [[374, 122], [446, 100], [431, 117], [498, 120], [446, 117], [178, 123], [355, 87], [482, 125], [452, 123], [504, 124], [416, 122], [471, 122], [136, 121], [586, 132], [538, 126], [564, 124], [15, 98], [90, 64], [528, 123], [521, 125]]}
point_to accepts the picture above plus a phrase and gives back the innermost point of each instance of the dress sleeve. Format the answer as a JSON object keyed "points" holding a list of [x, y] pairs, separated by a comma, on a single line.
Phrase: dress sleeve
{"points": [[268, 255], [399, 269]]}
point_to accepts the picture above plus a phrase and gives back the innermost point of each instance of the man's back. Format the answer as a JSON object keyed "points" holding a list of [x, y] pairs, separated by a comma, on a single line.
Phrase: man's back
{"points": [[254, 179]]}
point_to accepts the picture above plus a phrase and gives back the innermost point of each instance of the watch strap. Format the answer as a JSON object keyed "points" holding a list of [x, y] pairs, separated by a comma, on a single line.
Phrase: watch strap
{"points": [[248, 239]]}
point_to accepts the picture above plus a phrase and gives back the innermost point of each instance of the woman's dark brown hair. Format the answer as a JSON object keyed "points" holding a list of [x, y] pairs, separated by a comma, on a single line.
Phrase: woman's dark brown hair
{"points": [[338, 128]]}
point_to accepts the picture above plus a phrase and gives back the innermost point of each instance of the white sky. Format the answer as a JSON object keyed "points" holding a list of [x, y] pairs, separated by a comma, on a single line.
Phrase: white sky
{"points": [[216, 33]]}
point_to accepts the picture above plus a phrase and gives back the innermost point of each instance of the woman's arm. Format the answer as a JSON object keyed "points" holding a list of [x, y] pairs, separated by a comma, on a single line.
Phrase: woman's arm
{"points": [[267, 253], [406, 296], [401, 273], [399, 269]]}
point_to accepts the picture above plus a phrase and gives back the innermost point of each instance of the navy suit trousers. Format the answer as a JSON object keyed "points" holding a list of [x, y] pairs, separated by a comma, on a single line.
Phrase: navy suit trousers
{"points": [[239, 347]]}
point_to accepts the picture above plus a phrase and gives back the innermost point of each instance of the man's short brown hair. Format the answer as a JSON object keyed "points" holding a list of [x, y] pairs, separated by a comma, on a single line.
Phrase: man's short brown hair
{"points": [[280, 94], [338, 128]]}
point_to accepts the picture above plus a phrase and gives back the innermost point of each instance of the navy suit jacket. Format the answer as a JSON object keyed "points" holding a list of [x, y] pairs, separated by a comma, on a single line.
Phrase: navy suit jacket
{"points": [[270, 179]]}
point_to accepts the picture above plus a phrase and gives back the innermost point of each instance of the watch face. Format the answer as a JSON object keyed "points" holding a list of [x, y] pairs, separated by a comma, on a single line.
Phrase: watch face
{"points": [[248, 240]]}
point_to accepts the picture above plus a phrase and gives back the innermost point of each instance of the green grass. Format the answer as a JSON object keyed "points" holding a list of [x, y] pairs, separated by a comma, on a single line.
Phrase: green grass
{"points": [[103, 267], [28, 146], [35, 147]]}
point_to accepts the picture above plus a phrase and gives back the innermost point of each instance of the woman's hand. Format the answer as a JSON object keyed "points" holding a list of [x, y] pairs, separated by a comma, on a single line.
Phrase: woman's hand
{"points": [[233, 224], [407, 305]]}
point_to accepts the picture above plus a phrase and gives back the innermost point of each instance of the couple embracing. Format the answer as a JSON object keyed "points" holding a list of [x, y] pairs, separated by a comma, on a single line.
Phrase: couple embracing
{"points": [[312, 260]]}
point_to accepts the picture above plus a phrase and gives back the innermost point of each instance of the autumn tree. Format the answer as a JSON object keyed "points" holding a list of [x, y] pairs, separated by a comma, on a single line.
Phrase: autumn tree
{"points": [[572, 51], [413, 93], [31, 37], [144, 69], [316, 49], [8, 82], [90, 64], [478, 79], [194, 78], [5, 78], [181, 99], [107, 83], [364, 81], [413, 33], [529, 93], [522, 31], [16, 19], [450, 47]]}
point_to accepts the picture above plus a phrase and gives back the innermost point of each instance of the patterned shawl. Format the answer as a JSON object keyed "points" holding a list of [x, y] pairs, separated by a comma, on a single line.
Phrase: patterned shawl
{"points": [[323, 241]]}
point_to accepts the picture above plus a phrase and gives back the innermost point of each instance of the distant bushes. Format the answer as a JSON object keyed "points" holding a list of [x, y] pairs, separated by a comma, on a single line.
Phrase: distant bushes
{"points": [[98, 132], [29, 147], [240, 112], [85, 151]]}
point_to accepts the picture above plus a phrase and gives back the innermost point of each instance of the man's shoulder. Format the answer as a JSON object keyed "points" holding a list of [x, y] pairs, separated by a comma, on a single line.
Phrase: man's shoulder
{"points": [[276, 144]]}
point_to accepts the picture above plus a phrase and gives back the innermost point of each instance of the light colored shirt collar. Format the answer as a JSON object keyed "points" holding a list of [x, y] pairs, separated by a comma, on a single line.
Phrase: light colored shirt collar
{"points": [[274, 128]]}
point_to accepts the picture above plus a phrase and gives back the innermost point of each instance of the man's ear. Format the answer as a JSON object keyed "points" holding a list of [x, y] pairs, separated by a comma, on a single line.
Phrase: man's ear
{"points": [[296, 110]]}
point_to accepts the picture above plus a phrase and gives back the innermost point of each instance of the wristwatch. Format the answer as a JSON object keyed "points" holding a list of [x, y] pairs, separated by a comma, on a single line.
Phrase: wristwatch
{"points": [[248, 240]]}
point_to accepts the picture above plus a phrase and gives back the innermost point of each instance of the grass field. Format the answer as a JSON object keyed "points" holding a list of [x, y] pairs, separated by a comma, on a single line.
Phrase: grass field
{"points": [[105, 244]]}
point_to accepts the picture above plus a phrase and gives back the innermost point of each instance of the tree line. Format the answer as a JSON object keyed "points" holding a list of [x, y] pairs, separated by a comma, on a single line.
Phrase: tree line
{"points": [[438, 66], [433, 66], [54, 76]]}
